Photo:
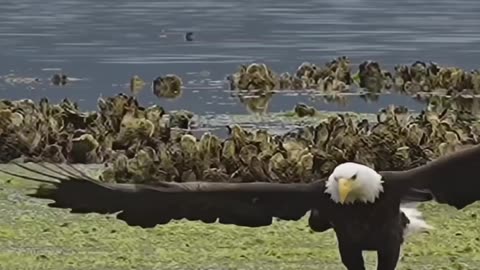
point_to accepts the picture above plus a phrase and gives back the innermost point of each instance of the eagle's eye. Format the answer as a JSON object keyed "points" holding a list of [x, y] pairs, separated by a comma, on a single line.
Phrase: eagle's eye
{"points": [[354, 177]]}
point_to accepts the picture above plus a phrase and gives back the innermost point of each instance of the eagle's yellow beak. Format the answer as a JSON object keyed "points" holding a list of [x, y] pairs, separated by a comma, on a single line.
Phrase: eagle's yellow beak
{"points": [[345, 186]]}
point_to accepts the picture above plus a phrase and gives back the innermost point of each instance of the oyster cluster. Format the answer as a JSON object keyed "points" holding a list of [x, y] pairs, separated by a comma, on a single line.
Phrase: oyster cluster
{"points": [[62, 133], [168, 86], [398, 139], [140, 145], [336, 76], [422, 77]]}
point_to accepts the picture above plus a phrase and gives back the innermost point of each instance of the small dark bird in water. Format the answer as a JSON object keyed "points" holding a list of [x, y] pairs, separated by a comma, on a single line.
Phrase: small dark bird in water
{"points": [[59, 79], [189, 36], [366, 209]]}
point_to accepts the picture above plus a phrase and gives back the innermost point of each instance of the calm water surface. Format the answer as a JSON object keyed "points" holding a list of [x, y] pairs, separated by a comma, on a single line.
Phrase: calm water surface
{"points": [[104, 43]]}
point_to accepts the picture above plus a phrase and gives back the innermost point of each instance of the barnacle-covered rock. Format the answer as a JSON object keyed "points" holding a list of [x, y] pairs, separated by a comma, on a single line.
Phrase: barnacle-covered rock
{"points": [[168, 86], [256, 76], [182, 119], [341, 69], [302, 110], [83, 149], [372, 77], [59, 79], [53, 154]]}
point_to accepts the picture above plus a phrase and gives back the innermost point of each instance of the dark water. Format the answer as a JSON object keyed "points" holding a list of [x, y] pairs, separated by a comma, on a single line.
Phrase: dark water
{"points": [[104, 43]]}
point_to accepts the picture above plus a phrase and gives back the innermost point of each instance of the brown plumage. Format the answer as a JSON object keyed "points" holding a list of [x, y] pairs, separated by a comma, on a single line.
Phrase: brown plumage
{"points": [[379, 225], [252, 205]]}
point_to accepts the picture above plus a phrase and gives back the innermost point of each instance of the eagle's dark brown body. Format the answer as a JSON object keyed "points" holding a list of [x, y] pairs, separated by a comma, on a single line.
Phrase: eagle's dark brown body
{"points": [[379, 226]]}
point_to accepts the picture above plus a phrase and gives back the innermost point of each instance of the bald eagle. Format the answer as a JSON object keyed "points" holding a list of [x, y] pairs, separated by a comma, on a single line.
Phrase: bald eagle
{"points": [[363, 207]]}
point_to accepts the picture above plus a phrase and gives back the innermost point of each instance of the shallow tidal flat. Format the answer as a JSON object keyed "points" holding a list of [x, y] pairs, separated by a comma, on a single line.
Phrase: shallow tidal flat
{"points": [[33, 236]]}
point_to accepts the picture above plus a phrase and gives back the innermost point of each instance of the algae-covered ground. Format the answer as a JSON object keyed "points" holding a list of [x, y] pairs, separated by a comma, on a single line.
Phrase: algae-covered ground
{"points": [[33, 236]]}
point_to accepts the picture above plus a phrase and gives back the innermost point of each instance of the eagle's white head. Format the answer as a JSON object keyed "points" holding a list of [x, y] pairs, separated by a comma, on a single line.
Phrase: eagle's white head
{"points": [[352, 182]]}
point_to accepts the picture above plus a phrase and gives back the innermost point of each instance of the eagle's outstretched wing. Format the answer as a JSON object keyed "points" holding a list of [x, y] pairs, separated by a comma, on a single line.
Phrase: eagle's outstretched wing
{"points": [[453, 179], [244, 204]]}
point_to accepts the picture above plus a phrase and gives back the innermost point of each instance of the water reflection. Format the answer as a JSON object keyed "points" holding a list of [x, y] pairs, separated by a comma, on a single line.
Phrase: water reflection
{"points": [[334, 98], [136, 85], [343, 100], [256, 102], [370, 97], [461, 103]]}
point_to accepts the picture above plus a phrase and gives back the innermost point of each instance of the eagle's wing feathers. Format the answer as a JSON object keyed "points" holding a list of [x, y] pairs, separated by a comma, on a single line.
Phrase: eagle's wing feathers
{"points": [[453, 179], [244, 204]]}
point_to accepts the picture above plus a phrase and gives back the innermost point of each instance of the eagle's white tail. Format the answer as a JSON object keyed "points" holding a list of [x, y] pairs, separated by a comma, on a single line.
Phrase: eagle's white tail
{"points": [[417, 224]]}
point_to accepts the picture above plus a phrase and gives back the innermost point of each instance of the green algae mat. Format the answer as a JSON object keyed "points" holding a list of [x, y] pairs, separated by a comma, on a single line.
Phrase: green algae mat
{"points": [[33, 236]]}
